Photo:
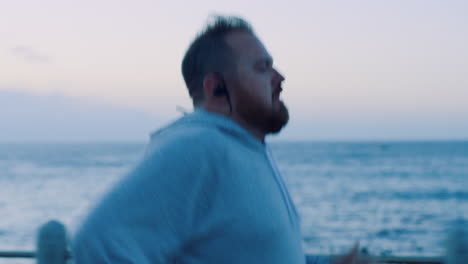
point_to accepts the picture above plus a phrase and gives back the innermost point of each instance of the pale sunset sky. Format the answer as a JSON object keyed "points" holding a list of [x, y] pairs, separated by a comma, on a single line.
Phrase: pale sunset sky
{"points": [[355, 70]]}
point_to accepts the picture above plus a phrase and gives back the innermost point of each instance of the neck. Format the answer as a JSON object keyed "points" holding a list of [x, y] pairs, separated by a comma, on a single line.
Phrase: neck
{"points": [[252, 130], [257, 133]]}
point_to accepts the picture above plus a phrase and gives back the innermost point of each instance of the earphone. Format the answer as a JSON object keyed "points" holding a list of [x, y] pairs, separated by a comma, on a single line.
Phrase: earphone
{"points": [[221, 90]]}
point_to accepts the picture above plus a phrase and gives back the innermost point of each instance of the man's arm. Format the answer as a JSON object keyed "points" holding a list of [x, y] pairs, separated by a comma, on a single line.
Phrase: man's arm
{"points": [[147, 217], [351, 258]]}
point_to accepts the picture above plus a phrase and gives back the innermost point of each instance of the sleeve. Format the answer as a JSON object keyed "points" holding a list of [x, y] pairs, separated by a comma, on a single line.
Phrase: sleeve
{"points": [[148, 216]]}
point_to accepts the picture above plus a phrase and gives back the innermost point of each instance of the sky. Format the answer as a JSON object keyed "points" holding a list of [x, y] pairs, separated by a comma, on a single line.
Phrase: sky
{"points": [[355, 70]]}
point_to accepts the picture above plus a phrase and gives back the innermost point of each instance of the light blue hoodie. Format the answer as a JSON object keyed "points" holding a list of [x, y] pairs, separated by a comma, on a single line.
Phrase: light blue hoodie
{"points": [[206, 192]]}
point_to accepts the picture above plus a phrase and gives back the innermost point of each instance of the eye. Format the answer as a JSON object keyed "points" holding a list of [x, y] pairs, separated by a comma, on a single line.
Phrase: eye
{"points": [[264, 65]]}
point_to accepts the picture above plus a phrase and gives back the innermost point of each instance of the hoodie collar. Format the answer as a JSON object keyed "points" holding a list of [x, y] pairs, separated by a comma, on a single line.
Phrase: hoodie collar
{"points": [[202, 117]]}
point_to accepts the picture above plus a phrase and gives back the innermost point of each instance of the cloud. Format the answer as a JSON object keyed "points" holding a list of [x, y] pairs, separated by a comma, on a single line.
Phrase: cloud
{"points": [[56, 117], [29, 54]]}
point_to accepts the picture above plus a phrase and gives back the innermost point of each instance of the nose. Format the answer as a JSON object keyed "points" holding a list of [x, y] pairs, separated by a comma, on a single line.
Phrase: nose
{"points": [[277, 77]]}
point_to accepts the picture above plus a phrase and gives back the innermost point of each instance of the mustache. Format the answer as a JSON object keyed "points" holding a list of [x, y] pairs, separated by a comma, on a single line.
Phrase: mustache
{"points": [[278, 88]]}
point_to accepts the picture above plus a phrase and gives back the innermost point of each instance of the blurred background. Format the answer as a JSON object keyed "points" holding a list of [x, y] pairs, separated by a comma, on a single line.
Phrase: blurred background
{"points": [[376, 149]]}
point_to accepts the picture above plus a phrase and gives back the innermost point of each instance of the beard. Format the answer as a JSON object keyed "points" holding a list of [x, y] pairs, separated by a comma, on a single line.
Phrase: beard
{"points": [[278, 119], [269, 119]]}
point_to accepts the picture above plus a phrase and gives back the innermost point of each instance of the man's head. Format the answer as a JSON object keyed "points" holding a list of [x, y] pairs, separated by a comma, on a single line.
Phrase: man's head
{"points": [[228, 57]]}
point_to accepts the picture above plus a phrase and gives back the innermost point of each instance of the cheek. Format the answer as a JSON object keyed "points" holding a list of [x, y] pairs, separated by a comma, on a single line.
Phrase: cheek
{"points": [[258, 87]]}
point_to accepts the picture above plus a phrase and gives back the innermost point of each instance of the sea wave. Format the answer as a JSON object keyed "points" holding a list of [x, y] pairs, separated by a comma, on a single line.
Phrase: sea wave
{"points": [[388, 195]]}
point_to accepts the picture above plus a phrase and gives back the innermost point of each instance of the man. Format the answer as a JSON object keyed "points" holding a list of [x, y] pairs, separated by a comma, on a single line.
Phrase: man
{"points": [[208, 190]]}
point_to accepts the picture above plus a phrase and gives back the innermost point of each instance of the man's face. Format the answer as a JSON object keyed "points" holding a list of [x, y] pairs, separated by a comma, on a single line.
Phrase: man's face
{"points": [[255, 86]]}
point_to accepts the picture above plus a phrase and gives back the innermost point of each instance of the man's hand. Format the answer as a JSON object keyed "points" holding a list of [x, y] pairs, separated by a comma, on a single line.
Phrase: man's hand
{"points": [[351, 258]]}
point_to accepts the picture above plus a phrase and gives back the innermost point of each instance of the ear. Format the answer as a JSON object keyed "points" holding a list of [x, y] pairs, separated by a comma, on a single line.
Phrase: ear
{"points": [[212, 103], [210, 83]]}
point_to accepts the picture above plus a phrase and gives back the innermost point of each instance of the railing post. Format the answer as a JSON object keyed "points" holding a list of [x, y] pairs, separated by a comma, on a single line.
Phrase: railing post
{"points": [[52, 244], [457, 246]]}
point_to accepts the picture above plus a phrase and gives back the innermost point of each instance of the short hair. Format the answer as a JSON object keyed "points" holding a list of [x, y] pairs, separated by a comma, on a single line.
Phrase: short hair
{"points": [[209, 53]]}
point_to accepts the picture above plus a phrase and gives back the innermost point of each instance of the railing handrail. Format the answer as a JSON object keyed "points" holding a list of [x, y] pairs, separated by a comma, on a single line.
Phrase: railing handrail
{"points": [[17, 254], [386, 259], [52, 248]]}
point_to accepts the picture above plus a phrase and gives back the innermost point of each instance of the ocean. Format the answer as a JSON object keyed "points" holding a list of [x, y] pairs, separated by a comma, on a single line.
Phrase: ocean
{"points": [[395, 198]]}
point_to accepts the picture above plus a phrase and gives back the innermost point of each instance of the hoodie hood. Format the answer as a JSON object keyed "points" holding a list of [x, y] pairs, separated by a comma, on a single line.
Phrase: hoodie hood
{"points": [[201, 118]]}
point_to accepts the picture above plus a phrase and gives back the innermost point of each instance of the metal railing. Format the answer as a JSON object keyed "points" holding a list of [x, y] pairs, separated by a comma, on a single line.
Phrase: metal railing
{"points": [[52, 249], [388, 260]]}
